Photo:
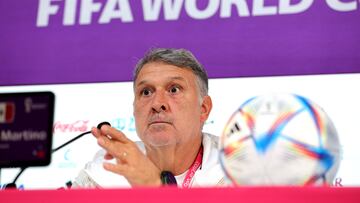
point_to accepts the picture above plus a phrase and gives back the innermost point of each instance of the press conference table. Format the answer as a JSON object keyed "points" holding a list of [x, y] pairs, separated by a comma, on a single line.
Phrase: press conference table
{"points": [[173, 195]]}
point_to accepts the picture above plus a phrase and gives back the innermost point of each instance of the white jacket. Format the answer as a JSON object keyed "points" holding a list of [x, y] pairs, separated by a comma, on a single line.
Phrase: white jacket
{"points": [[209, 174]]}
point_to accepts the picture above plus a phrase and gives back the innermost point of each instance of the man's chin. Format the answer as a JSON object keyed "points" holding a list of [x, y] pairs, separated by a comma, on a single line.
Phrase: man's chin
{"points": [[160, 139]]}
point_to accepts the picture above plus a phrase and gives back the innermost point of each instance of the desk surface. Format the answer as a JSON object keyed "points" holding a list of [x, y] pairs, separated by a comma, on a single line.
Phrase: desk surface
{"points": [[173, 195]]}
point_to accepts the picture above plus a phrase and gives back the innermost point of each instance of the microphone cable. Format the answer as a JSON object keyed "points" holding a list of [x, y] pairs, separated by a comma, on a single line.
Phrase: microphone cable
{"points": [[70, 141]]}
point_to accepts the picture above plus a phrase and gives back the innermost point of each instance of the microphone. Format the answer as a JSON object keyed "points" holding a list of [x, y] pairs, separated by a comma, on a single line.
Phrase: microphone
{"points": [[79, 136], [13, 184], [101, 124]]}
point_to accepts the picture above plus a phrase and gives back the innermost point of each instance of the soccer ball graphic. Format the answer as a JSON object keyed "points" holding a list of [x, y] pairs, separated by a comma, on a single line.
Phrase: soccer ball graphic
{"points": [[279, 139]]}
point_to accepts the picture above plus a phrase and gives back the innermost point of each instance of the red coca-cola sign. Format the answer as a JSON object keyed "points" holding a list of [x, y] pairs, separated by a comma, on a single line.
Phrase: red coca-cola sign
{"points": [[77, 126]]}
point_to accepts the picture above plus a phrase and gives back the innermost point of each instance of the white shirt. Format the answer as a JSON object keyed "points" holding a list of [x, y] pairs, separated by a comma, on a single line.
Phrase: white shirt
{"points": [[209, 174]]}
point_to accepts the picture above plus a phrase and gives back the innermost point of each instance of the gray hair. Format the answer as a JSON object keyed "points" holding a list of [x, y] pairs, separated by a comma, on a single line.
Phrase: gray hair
{"points": [[178, 57]]}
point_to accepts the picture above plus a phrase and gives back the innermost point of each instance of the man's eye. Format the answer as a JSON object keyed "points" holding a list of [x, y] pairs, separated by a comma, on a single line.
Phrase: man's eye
{"points": [[145, 92], [174, 89]]}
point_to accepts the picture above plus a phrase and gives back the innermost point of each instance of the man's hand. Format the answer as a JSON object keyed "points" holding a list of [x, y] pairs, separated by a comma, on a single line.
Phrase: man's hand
{"points": [[131, 163]]}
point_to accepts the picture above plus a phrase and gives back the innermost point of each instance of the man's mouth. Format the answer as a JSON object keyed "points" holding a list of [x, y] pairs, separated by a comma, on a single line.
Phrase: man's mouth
{"points": [[159, 122], [159, 119]]}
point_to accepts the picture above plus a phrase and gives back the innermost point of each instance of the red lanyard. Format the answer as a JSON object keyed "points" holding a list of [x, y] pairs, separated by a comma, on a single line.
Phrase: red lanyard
{"points": [[193, 168]]}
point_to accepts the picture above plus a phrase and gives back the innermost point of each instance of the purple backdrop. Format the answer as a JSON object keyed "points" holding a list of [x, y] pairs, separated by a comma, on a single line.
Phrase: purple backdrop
{"points": [[318, 40]]}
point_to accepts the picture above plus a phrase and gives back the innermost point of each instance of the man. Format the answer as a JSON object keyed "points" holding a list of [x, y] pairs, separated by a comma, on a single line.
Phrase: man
{"points": [[171, 105]]}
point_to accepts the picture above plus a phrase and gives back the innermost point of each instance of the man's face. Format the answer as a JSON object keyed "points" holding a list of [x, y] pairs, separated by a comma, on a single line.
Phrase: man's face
{"points": [[168, 108]]}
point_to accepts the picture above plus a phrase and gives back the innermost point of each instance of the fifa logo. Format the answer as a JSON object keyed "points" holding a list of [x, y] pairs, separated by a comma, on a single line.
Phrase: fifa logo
{"points": [[28, 105]]}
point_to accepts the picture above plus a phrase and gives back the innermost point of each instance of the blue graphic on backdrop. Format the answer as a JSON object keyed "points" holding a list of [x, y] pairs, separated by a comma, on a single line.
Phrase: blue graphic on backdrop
{"points": [[124, 124]]}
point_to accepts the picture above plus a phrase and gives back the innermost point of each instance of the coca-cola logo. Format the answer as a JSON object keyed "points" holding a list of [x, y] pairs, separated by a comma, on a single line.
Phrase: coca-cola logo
{"points": [[77, 126]]}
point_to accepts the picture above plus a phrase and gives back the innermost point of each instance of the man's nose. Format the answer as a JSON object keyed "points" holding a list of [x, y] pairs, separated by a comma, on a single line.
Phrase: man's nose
{"points": [[160, 102]]}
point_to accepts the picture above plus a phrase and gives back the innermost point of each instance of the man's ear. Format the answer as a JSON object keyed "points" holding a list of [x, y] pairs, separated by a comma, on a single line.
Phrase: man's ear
{"points": [[206, 107]]}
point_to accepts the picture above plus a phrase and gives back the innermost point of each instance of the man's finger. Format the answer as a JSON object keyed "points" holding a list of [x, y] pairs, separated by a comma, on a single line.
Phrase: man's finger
{"points": [[113, 147], [114, 133], [96, 132], [108, 156], [116, 168]]}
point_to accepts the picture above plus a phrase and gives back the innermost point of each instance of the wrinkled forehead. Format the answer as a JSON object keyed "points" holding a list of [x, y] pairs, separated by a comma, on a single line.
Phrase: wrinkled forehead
{"points": [[156, 71]]}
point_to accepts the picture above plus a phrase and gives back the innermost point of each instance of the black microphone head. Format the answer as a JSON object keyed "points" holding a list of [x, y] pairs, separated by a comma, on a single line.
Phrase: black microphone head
{"points": [[10, 186], [103, 123]]}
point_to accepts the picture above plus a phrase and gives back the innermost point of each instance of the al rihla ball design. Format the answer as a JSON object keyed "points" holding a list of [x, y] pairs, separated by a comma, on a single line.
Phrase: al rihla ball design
{"points": [[279, 139]]}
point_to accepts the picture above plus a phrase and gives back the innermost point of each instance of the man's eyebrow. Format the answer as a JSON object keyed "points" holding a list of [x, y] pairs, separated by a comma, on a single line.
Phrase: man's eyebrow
{"points": [[177, 78], [141, 83], [169, 79]]}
